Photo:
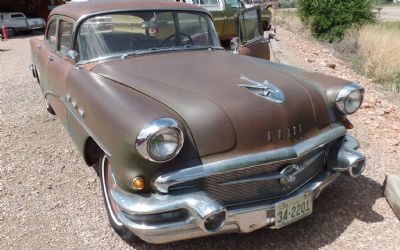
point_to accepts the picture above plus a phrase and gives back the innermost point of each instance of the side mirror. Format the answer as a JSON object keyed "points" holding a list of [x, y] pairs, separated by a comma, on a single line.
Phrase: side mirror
{"points": [[74, 56], [235, 44], [271, 36], [242, 5]]}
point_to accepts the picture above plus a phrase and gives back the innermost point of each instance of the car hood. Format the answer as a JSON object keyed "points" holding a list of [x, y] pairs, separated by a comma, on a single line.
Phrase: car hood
{"points": [[203, 88]]}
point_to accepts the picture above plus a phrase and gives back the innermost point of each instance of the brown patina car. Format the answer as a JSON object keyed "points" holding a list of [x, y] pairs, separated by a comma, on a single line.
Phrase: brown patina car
{"points": [[191, 140]]}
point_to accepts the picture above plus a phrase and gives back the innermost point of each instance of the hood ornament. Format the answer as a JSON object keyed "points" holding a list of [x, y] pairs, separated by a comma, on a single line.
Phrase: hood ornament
{"points": [[288, 175], [264, 89]]}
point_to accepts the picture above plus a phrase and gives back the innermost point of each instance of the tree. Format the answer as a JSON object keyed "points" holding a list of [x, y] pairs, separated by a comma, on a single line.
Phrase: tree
{"points": [[329, 19]]}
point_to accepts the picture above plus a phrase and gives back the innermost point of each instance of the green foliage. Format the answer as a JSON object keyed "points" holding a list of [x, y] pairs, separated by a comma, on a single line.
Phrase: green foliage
{"points": [[329, 19]]}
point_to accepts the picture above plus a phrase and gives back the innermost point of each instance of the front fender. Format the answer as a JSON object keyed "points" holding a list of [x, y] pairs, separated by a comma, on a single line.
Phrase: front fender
{"points": [[113, 115]]}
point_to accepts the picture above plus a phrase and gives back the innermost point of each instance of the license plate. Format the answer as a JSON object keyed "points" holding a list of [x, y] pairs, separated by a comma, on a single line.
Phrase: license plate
{"points": [[293, 209]]}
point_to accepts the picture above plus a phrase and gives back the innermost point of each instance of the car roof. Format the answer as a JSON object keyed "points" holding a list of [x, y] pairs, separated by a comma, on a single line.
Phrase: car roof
{"points": [[76, 10]]}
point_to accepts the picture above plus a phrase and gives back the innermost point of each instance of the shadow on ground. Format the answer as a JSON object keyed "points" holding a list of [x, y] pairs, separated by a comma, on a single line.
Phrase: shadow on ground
{"points": [[337, 207], [25, 34]]}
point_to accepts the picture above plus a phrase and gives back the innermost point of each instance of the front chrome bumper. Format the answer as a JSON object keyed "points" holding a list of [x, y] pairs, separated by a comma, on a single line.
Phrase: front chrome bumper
{"points": [[241, 219], [199, 207]]}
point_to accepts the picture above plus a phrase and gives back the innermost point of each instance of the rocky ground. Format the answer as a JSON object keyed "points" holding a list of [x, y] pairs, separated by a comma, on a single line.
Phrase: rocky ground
{"points": [[49, 199]]}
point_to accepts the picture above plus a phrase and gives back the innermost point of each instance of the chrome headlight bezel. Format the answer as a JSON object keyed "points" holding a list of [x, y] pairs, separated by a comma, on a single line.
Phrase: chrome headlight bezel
{"points": [[345, 93], [154, 128]]}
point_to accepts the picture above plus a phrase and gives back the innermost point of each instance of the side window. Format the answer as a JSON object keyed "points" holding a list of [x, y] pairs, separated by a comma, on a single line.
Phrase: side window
{"points": [[194, 26], [64, 36], [232, 4], [51, 37], [17, 16], [249, 25]]}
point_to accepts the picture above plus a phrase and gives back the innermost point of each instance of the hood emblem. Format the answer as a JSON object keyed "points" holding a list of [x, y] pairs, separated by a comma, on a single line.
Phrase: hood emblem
{"points": [[264, 89], [288, 175]]}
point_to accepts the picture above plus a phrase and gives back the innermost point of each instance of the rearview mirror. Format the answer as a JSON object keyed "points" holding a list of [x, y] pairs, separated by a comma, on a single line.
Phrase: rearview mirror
{"points": [[154, 24], [74, 56]]}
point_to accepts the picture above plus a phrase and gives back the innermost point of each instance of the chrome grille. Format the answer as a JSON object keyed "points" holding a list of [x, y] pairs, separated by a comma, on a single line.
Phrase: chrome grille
{"points": [[257, 190]]}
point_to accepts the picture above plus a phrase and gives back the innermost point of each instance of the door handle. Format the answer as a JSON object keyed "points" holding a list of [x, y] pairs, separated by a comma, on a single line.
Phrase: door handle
{"points": [[50, 58], [39, 46]]}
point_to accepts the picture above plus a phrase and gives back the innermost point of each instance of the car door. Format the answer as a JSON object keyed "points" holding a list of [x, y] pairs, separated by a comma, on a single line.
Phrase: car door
{"points": [[216, 7], [58, 68], [251, 35], [18, 21], [44, 49], [232, 9]]}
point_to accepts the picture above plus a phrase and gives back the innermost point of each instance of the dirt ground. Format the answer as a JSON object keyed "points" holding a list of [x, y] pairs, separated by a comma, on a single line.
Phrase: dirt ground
{"points": [[49, 199]]}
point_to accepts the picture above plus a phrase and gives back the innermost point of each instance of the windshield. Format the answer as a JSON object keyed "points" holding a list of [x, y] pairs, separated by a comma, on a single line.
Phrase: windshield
{"points": [[134, 33]]}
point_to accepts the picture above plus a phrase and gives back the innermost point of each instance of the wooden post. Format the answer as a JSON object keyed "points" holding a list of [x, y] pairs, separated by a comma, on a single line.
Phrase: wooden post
{"points": [[392, 193]]}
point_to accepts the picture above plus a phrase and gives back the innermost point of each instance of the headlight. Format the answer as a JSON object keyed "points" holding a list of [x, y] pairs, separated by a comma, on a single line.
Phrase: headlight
{"points": [[350, 98], [160, 140]]}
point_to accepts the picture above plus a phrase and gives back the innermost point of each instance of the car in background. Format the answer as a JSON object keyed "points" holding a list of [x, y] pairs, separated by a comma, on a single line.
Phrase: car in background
{"points": [[265, 4], [18, 22], [239, 27], [225, 13]]}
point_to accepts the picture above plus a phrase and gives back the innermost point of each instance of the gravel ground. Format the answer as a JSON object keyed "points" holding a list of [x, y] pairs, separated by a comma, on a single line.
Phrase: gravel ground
{"points": [[49, 199]]}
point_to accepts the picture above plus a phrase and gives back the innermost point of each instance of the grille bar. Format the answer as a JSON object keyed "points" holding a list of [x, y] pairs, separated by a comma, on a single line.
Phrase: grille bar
{"points": [[257, 183]]}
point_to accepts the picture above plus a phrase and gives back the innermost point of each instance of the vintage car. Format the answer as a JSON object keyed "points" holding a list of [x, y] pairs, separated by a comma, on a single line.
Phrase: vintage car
{"points": [[225, 13], [18, 22], [265, 4], [189, 139], [233, 21]]}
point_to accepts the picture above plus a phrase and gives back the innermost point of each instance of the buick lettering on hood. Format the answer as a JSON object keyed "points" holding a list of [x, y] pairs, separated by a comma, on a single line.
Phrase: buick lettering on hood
{"points": [[188, 139]]}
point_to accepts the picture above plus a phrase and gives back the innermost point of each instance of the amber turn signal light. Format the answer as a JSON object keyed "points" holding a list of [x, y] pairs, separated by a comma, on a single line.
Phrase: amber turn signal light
{"points": [[348, 124], [138, 183]]}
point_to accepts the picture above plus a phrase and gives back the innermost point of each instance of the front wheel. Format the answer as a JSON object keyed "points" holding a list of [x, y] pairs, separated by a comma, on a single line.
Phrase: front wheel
{"points": [[11, 32], [106, 177], [49, 108]]}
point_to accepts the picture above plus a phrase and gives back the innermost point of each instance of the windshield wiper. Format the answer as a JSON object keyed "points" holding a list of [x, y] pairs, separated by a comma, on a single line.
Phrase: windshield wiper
{"points": [[144, 51], [162, 49]]}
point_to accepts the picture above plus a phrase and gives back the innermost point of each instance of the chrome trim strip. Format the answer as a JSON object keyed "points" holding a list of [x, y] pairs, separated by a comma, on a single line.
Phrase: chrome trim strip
{"points": [[163, 182], [80, 122]]}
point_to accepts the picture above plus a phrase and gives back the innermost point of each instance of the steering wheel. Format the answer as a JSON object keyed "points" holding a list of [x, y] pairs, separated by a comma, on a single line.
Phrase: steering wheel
{"points": [[175, 35]]}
